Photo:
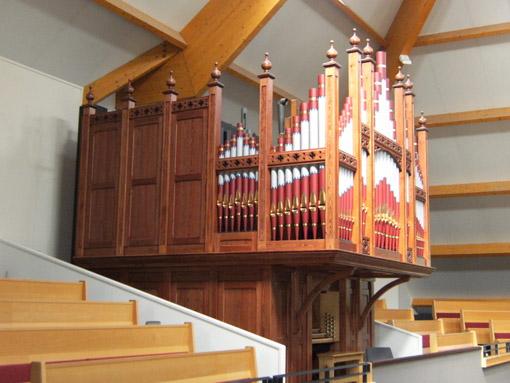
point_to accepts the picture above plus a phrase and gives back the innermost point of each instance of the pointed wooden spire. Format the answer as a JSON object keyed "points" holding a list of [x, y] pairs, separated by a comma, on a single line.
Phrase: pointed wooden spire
{"points": [[266, 67], [331, 54], [422, 121], [170, 84], [215, 77], [399, 78], [368, 51], [90, 97], [408, 85], [354, 40]]}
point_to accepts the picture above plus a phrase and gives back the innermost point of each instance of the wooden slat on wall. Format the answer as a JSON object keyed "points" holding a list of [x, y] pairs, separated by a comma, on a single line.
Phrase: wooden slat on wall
{"points": [[463, 34], [145, 21], [134, 69], [473, 250], [470, 189], [468, 117]]}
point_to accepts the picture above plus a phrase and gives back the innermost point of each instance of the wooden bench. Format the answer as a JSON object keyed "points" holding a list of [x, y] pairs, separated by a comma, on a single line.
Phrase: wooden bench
{"points": [[499, 331], [449, 310], [425, 328], [22, 314], [388, 315], [23, 346], [380, 304], [27, 290], [478, 321], [445, 342], [204, 367], [335, 359]]}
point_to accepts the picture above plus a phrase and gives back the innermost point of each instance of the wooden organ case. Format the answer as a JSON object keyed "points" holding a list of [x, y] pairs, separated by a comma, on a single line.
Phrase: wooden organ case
{"points": [[259, 235]]}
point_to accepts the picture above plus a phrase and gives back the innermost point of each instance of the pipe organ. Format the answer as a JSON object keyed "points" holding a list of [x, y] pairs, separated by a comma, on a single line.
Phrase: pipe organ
{"points": [[341, 194]]}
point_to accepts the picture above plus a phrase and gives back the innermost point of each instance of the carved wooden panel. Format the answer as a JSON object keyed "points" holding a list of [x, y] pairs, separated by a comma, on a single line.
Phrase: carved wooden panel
{"points": [[102, 186], [188, 177], [193, 295], [143, 182], [239, 303]]}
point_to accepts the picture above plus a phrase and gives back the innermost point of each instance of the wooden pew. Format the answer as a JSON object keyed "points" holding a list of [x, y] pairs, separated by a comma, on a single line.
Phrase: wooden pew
{"points": [[380, 304], [425, 328], [24, 346], [27, 290], [499, 331], [204, 367], [449, 310], [478, 321], [22, 314], [445, 342], [388, 315]]}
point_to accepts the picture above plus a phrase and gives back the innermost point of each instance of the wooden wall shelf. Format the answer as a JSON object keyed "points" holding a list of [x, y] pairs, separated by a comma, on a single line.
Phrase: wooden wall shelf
{"points": [[471, 250], [470, 189]]}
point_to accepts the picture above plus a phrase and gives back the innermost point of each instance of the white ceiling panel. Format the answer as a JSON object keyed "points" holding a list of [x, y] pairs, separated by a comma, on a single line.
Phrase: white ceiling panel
{"points": [[379, 14], [449, 15], [175, 13], [76, 40]]}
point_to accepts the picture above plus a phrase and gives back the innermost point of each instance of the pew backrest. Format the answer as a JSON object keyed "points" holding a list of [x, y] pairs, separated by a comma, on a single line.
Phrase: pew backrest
{"points": [[28, 345], [421, 326], [499, 331], [204, 367], [451, 341], [478, 321], [28, 290], [22, 314], [388, 315], [380, 304]]}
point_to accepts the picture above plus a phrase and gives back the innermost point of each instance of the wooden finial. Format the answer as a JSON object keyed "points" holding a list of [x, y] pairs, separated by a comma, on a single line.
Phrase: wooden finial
{"points": [[368, 51], [90, 97], [422, 121], [354, 40], [130, 90], [332, 52], [399, 77], [408, 84], [215, 76], [266, 64], [170, 84]]}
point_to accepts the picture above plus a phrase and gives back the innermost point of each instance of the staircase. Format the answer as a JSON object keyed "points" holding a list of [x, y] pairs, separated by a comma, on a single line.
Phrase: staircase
{"points": [[51, 333]]}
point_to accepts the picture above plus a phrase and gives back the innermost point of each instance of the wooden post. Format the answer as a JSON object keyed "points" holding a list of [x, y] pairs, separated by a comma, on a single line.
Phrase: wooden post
{"points": [[127, 103], [401, 140], [409, 126], [88, 111], [170, 96], [354, 60], [266, 140], [422, 136], [332, 73], [213, 141], [367, 69]]}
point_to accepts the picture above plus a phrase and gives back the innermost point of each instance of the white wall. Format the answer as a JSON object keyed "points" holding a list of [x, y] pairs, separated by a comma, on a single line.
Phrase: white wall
{"points": [[209, 334], [38, 137]]}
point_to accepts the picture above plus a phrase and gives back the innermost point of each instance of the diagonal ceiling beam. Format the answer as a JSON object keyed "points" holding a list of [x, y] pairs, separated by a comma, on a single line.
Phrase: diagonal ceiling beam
{"points": [[360, 22], [145, 21], [463, 34], [218, 32], [134, 69], [404, 31]]}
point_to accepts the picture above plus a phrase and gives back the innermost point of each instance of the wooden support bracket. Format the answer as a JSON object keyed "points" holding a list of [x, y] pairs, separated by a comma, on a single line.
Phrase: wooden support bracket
{"points": [[377, 295]]}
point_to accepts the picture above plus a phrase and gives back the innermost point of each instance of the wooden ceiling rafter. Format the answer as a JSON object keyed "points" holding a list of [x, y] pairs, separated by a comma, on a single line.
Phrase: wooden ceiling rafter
{"points": [[145, 21], [360, 22], [470, 189], [463, 34], [471, 250], [404, 31]]}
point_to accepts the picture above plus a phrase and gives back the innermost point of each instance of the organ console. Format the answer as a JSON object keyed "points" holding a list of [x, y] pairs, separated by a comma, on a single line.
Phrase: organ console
{"points": [[342, 192]]}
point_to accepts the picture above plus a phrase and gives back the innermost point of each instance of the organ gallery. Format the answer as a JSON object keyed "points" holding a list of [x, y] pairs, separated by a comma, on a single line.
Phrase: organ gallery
{"points": [[257, 227]]}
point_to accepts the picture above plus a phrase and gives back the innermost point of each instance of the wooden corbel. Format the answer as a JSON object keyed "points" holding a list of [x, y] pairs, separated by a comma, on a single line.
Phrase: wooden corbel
{"points": [[376, 296]]}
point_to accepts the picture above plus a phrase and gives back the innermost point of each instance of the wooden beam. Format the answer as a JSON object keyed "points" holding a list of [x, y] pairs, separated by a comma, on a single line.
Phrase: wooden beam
{"points": [[252, 79], [217, 33], [471, 189], [136, 68], [356, 19], [471, 250], [463, 34], [404, 30], [145, 21], [468, 117]]}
